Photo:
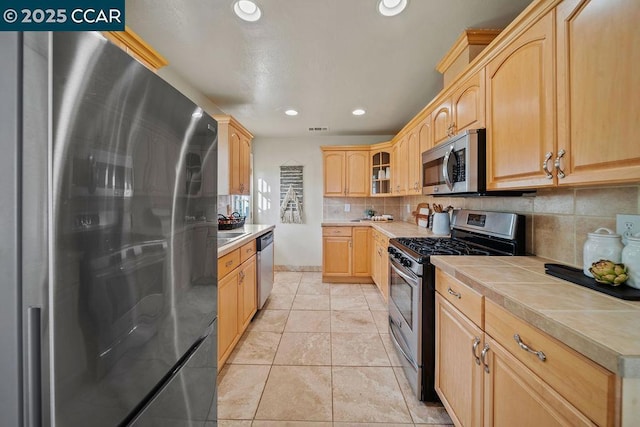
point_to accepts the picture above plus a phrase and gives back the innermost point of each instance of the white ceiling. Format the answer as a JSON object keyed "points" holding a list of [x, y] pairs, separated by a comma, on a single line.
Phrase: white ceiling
{"points": [[322, 57]]}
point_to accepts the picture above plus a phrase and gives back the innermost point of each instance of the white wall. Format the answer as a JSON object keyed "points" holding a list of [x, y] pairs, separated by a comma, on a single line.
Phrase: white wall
{"points": [[296, 245]]}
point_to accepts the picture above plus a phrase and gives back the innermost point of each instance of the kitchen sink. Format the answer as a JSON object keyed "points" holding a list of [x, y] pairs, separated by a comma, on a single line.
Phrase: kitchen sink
{"points": [[224, 238], [231, 234]]}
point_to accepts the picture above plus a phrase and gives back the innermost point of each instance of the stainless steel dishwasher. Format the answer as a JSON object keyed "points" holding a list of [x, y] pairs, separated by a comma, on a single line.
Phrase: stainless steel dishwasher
{"points": [[264, 246]]}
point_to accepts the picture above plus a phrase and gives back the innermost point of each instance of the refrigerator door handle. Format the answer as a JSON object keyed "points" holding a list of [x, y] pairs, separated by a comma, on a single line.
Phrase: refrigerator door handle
{"points": [[34, 373]]}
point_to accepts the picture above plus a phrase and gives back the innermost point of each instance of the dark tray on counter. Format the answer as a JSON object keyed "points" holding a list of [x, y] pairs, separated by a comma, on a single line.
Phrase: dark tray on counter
{"points": [[576, 276]]}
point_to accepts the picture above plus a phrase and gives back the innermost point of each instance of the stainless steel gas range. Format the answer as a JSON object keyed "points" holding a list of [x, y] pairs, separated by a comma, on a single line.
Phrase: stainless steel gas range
{"points": [[412, 284]]}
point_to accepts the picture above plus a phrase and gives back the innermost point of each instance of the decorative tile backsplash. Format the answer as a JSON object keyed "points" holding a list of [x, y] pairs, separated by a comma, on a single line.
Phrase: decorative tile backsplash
{"points": [[558, 220]]}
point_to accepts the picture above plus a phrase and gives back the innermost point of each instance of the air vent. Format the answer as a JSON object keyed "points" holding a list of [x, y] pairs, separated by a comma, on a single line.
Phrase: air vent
{"points": [[319, 129]]}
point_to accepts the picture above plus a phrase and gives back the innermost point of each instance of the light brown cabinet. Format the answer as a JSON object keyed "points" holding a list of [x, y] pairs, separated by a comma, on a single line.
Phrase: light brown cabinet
{"points": [[381, 169], [425, 135], [414, 163], [513, 395], [494, 369], [598, 86], [346, 172], [135, 46], [459, 376], [237, 297], [520, 109], [234, 156], [380, 262], [400, 172], [247, 292], [346, 254], [463, 108]]}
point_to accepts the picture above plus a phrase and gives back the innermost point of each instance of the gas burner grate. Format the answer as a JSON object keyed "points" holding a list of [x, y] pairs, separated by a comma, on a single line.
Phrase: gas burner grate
{"points": [[426, 246]]}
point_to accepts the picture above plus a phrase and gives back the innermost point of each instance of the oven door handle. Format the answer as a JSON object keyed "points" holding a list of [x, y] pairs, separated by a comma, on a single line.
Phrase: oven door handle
{"points": [[413, 281], [395, 340], [445, 168]]}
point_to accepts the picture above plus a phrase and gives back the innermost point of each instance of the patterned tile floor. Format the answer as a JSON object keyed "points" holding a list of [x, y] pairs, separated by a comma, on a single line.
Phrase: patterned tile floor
{"points": [[319, 354]]}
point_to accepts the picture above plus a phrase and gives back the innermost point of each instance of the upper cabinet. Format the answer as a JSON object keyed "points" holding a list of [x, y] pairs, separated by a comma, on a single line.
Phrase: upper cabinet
{"points": [[399, 176], [234, 156], [463, 108], [442, 121], [414, 162], [598, 88], [346, 171], [425, 135], [381, 169], [520, 109], [133, 44]]}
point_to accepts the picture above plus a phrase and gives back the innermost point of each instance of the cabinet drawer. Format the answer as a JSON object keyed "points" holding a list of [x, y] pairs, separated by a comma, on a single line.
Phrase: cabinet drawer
{"points": [[336, 231], [465, 299], [587, 385], [247, 251], [228, 262]]}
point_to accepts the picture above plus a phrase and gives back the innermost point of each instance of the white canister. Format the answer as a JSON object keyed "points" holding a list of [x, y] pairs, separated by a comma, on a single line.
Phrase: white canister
{"points": [[631, 259], [601, 244], [441, 223]]}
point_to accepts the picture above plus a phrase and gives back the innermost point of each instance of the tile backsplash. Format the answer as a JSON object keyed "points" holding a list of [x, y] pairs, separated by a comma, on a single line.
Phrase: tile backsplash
{"points": [[558, 220]]}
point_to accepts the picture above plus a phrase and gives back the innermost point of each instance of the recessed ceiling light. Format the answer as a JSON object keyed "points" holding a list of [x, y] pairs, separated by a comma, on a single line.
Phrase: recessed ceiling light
{"points": [[247, 10], [391, 7], [358, 112], [291, 112]]}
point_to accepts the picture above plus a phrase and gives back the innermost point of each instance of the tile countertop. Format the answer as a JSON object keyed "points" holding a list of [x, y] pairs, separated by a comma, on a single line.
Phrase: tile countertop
{"points": [[603, 328], [391, 229], [254, 230]]}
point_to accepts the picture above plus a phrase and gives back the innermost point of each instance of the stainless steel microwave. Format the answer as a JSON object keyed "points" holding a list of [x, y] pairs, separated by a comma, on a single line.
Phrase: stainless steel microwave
{"points": [[456, 166]]}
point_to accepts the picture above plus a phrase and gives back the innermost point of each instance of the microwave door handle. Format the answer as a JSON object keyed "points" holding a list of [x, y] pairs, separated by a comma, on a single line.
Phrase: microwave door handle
{"points": [[445, 168]]}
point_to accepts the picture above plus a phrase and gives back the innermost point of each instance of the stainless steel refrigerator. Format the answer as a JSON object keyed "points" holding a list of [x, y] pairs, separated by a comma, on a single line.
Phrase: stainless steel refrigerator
{"points": [[108, 294]]}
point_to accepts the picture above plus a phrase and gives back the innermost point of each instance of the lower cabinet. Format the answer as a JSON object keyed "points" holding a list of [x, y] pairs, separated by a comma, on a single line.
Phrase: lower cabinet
{"points": [[494, 369], [380, 262], [458, 377], [346, 255], [237, 298]]}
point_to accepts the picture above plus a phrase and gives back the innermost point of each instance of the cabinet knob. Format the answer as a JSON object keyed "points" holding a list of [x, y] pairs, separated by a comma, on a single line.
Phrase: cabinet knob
{"points": [[545, 162]]}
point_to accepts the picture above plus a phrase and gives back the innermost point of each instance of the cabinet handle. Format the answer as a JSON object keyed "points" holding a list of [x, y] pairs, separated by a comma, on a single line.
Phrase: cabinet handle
{"points": [[483, 357], [454, 293], [242, 276], [350, 243], [561, 173], [453, 128], [546, 170], [526, 348], [474, 350], [228, 263]]}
